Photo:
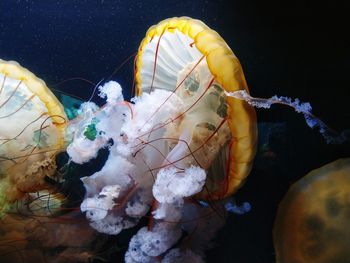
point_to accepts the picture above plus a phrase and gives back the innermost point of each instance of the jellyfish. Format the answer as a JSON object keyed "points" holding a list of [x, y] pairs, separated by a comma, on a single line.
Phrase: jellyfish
{"points": [[34, 207], [312, 222], [180, 140], [32, 125]]}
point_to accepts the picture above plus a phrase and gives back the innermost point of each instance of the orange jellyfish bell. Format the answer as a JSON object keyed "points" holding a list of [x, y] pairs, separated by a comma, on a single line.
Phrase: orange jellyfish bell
{"points": [[186, 57], [32, 123], [312, 222]]}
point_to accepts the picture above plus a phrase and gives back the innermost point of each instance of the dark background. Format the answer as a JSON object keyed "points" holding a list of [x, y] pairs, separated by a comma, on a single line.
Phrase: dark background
{"points": [[291, 48]]}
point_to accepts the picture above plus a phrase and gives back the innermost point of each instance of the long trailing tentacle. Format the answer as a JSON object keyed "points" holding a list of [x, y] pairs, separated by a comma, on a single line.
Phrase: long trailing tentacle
{"points": [[330, 135]]}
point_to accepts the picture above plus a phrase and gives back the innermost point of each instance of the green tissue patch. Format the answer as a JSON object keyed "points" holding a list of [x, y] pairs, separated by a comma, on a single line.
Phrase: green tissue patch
{"points": [[71, 105], [40, 138], [210, 127], [191, 84], [222, 109], [90, 131], [217, 87]]}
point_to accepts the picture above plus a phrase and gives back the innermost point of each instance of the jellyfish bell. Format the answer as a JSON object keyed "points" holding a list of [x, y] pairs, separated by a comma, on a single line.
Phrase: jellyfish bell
{"points": [[312, 222], [32, 123], [190, 60]]}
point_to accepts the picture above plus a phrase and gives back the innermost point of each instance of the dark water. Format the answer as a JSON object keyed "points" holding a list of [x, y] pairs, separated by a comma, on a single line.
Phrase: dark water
{"points": [[292, 48]]}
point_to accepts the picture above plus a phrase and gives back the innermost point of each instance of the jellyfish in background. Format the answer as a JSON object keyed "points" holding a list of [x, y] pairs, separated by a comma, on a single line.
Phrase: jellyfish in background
{"points": [[32, 125], [180, 138], [312, 223], [36, 225]]}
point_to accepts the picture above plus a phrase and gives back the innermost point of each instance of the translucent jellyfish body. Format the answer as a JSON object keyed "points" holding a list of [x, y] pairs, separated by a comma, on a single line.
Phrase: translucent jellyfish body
{"points": [[32, 125], [312, 223], [186, 57], [180, 137]]}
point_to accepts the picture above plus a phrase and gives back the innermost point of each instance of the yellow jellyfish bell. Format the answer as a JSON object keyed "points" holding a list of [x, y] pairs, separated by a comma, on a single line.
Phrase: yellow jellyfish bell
{"points": [[32, 124], [312, 222], [177, 55]]}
